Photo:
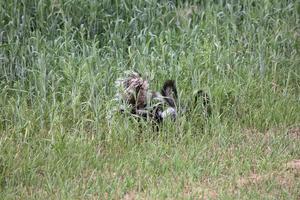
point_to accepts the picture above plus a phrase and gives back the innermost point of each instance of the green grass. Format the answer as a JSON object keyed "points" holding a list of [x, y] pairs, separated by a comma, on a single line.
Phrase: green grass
{"points": [[58, 63]]}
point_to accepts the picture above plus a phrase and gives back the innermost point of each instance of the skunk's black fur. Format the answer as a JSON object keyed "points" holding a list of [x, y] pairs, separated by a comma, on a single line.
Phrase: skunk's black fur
{"points": [[169, 91]]}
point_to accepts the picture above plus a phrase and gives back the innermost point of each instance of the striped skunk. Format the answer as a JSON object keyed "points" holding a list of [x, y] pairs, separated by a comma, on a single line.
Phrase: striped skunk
{"points": [[135, 97]]}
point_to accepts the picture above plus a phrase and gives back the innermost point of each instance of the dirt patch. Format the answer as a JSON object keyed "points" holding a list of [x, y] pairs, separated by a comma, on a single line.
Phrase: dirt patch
{"points": [[199, 191], [209, 194], [252, 179], [294, 165], [287, 177], [294, 133], [131, 195]]}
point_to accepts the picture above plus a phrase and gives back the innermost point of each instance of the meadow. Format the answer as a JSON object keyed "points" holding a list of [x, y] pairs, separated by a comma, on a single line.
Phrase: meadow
{"points": [[59, 138]]}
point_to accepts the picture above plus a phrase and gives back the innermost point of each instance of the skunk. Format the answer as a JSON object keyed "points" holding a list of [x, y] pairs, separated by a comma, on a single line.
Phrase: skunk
{"points": [[135, 96]]}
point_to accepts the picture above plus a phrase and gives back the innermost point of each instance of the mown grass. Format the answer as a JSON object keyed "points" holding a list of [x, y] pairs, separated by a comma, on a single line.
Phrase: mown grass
{"points": [[59, 61]]}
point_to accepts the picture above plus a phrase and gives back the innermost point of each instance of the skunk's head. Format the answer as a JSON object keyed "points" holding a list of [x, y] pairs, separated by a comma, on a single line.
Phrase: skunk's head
{"points": [[133, 89]]}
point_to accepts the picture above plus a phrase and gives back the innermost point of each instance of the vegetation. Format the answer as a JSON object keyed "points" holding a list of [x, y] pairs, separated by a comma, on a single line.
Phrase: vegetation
{"points": [[60, 140]]}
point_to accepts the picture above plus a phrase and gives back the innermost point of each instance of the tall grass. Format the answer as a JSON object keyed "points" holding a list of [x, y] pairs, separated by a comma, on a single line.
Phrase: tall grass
{"points": [[59, 60]]}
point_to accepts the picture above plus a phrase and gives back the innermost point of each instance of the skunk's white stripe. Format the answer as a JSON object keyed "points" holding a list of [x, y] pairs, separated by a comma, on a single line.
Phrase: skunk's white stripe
{"points": [[169, 112]]}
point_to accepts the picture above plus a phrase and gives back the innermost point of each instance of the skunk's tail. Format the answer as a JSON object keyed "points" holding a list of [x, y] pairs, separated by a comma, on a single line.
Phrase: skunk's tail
{"points": [[169, 92]]}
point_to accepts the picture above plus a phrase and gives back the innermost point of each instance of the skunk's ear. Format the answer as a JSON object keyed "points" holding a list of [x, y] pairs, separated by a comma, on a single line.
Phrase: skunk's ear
{"points": [[205, 101], [169, 91]]}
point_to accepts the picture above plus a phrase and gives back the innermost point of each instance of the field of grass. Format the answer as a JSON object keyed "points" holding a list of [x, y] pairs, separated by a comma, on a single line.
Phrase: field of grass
{"points": [[59, 60]]}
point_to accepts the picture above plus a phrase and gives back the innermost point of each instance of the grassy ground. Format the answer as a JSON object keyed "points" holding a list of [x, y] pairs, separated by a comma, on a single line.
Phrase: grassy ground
{"points": [[59, 61]]}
